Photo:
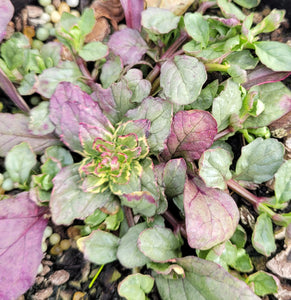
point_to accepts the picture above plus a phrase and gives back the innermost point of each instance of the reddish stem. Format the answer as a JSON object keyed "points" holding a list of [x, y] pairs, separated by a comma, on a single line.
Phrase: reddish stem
{"points": [[128, 216], [177, 226]]}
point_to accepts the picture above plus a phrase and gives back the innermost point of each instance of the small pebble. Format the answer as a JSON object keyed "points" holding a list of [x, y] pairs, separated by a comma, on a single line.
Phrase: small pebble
{"points": [[45, 2], [73, 3], [79, 296], [56, 250], [49, 9], [75, 13], [45, 270], [39, 280], [72, 232], [59, 277], [36, 44], [64, 7], [46, 17], [55, 16], [43, 294], [65, 244], [42, 34], [55, 238], [34, 11]]}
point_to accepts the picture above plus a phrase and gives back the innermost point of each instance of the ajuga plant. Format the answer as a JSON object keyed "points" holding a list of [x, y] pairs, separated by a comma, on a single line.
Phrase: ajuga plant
{"points": [[132, 140]]}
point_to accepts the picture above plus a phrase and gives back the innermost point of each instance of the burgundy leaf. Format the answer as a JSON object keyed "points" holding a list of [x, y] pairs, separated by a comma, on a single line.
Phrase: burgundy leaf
{"points": [[262, 74], [192, 132], [129, 45], [22, 224], [14, 130], [211, 215], [132, 10], [6, 13]]}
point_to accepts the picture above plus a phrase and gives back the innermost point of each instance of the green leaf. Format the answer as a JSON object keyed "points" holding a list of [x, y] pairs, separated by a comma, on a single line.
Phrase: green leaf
{"points": [[96, 218], [203, 280], [205, 99], [247, 3], [263, 238], [111, 71], [276, 99], [197, 27], [12, 51], [259, 160], [128, 254], [122, 97], [182, 79], [223, 108], [134, 287], [239, 238], [99, 247], [214, 167], [40, 123], [50, 78], [93, 51], [51, 53], [230, 10], [19, 162], [274, 55], [243, 58], [269, 23], [28, 84], [65, 201], [159, 20], [159, 244], [59, 153], [159, 112], [262, 283], [242, 262], [87, 21], [140, 87], [174, 177], [283, 182]]}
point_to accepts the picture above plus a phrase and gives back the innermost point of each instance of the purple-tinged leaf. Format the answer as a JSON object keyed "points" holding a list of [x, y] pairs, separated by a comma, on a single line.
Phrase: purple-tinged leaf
{"points": [[105, 99], [9, 89], [211, 215], [70, 106], [262, 75], [6, 13], [132, 11], [192, 132], [69, 202], [21, 230], [203, 280], [14, 129], [129, 45], [230, 22]]}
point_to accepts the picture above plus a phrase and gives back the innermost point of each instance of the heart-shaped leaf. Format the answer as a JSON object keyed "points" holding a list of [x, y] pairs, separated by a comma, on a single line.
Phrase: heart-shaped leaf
{"points": [[259, 160], [214, 167], [211, 215], [192, 132], [22, 224], [135, 286], [99, 247], [159, 244], [128, 254], [182, 79]]}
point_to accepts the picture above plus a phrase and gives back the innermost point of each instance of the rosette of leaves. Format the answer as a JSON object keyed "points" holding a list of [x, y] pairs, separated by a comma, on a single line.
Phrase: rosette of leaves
{"points": [[115, 164]]}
